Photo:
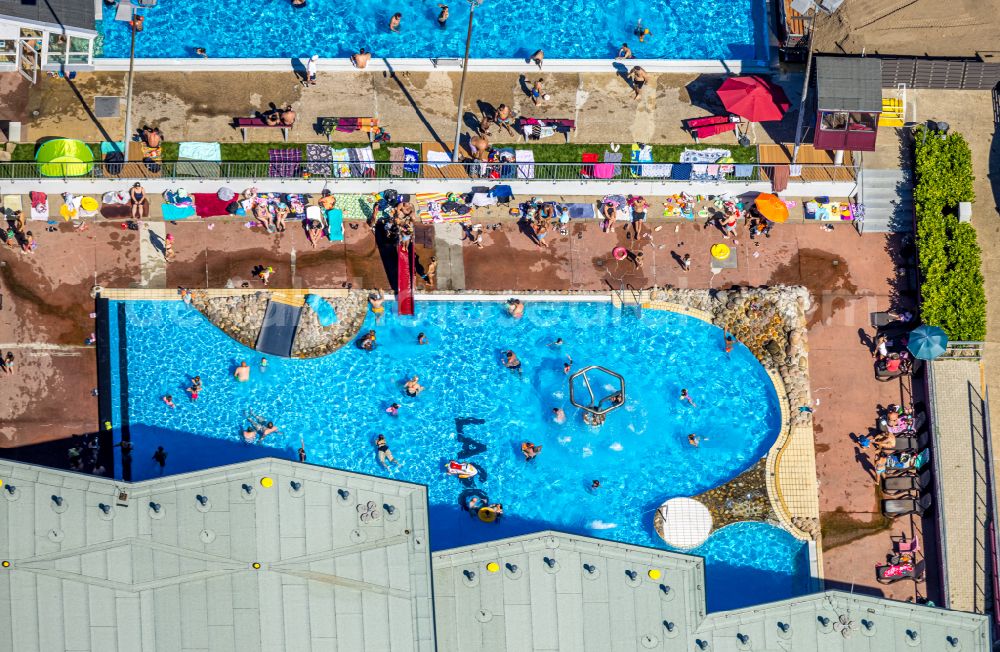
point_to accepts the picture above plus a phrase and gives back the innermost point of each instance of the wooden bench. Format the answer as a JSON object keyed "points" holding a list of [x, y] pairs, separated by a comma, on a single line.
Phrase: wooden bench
{"points": [[327, 126], [562, 125], [258, 123]]}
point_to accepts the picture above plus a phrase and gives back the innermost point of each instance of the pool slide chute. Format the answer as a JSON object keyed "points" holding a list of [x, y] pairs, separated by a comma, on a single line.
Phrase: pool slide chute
{"points": [[64, 157], [281, 320], [404, 278]]}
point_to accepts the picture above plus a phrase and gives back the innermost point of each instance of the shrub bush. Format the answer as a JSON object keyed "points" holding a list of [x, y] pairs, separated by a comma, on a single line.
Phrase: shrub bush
{"points": [[950, 259]]}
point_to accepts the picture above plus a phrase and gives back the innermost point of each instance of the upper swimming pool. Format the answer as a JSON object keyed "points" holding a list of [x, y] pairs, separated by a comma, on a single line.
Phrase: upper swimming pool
{"points": [[565, 29], [475, 410]]}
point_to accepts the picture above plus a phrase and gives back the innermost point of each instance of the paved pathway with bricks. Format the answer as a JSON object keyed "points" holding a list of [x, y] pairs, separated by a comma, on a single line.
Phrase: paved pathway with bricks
{"points": [[961, 477]]}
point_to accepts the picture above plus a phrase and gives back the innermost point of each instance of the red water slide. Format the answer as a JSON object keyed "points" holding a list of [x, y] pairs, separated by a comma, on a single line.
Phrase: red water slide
{"points": [[404, 269]]}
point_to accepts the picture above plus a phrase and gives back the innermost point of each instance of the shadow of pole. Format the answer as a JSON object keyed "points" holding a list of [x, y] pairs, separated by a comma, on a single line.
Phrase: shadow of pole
{"points": [[416, 108], [89, 111]]}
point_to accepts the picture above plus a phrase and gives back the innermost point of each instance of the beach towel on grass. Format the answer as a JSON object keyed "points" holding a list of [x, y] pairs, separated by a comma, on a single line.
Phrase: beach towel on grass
{"points": [[284, 162], [341, 163], [335, 225], [198, 151], [396, 157], [109, 147], [319, 157], [362, 161], [658, 170], [681, 172], [641, 155], [614, 158], [410, 159], [525, 163], [438, 159], [171, 212], [704, 155]]}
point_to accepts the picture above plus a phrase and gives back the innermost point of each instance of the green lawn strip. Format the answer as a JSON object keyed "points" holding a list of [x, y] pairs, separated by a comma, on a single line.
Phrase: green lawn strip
{"points": [[572, 152]]}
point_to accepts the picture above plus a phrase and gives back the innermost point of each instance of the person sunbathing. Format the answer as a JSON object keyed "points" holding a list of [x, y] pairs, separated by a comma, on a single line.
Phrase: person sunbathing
{"points": [[315, 232], [152, 137], [272, 119], [288, 116]]}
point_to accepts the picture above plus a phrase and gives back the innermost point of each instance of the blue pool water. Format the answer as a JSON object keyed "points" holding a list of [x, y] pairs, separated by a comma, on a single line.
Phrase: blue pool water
{"points": [[567, 29], [336, 406]]}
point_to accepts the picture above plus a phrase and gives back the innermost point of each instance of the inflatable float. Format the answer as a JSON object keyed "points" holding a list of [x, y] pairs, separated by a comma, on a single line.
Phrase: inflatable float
{"points": [[462, 469]]}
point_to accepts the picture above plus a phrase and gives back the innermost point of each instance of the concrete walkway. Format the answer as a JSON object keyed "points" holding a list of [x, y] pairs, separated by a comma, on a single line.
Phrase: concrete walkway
{"points": [[152, 264], [962, 477]]}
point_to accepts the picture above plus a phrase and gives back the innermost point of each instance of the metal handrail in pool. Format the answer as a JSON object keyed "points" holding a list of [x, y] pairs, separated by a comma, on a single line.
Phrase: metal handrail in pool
{"points": [[383, 170]]}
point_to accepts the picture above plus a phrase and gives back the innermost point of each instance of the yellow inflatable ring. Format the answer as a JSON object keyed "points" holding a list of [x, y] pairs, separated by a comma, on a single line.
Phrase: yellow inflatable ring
{"points": [[88, 204], [720, 251], [487, 515]]}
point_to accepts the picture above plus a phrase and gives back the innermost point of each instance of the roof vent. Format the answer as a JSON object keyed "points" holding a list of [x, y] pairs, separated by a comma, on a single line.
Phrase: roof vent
{"points": [[204, 504], [912, 637], [470, 578], [107, 513], [10, 492], [632, 578], [702, 644], [953, 642], [551, 565], [670, 629], [484, 615], [59, 505], [825, 624], [391, 513], [343, 495], [248, 492], [743, 641], [591, 572], [845, 626], [295, 489], [649, 641], [513, 572], [155, 510], [784, 630], [666, 593]]}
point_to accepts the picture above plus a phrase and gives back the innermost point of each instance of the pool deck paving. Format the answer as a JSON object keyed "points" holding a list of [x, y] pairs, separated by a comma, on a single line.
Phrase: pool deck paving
{"points": [[414, 107], [46, 301]]}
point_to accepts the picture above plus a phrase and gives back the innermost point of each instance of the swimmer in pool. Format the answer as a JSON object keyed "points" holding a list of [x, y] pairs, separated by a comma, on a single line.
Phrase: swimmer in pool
{"points": [[558, 342], [568, 366], [694, 439], [250, 435], [368, 341], [421, 338], [375, 301], [558, 415], [641, 32], [515, 308], [687, 397], [595, 485], [412, 387], [394, 22], [511, 361], [530, 451], [393, 410], [384, 453], [169, 400], [443, 16], [242, 373], [269, 429]]}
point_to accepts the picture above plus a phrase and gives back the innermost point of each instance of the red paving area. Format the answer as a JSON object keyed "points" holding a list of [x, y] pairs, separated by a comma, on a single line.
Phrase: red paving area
{"points": [[46, 300]]}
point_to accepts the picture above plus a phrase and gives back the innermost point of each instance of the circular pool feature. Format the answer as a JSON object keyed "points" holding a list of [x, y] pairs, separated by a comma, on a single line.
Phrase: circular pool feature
{"points": [[686, 523]]}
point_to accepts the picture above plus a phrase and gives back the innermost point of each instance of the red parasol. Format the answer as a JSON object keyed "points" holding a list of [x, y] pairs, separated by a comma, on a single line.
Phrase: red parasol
{"points": [[754, 98]]}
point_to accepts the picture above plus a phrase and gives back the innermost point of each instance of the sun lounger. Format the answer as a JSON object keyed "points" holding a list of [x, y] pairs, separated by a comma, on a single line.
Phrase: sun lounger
{"points": [[335, 225], [11, 204], [900, 483], [712, 130], [693, 123], [910, 443], [905, 506], [889, 573], [901, 544], [243, 124]]}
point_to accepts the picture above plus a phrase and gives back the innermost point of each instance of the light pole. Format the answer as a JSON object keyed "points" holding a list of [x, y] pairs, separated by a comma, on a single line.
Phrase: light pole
{"points": [[128, 90], [461, 89]]}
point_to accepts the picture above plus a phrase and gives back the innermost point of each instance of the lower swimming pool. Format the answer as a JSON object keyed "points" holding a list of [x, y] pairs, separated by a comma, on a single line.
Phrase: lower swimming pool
{"points": [[566, 29], [475, 410]]}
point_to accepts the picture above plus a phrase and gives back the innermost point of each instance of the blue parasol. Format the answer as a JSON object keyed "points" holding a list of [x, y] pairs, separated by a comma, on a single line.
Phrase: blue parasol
{"points": [[927, 342]]}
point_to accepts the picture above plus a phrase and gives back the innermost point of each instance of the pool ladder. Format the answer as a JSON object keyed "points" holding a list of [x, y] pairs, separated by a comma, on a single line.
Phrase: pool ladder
{"points": [[628, 298]]}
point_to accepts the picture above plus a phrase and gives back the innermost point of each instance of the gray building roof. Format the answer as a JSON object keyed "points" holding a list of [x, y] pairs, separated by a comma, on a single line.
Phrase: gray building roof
{"points": [[597, 596], [570, 608], [849, 84], [337, 569], [74, 14]]}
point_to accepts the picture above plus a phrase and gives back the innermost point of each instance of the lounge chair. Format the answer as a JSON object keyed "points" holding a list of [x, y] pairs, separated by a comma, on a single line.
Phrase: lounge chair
{"points": [[890, 573], [904, 506], [902, 483], [910, 442], [902, 545], [694, 123]]}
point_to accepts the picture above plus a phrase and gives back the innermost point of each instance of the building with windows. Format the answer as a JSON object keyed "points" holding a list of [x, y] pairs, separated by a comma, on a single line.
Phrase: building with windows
{"points": [[47, 34]]}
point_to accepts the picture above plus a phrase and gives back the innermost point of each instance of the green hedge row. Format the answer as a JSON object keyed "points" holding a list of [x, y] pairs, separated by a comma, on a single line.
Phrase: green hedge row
{"points": [[950, 258]]}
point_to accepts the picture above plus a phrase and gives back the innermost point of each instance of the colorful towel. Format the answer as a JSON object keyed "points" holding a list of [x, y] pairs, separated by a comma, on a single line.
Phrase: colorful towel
{"points": [[208, 204], [341, 163], [108, 147], [641, 155], [581, 211], [410, 158], [284, 162], [615, 158], [335, 225], [525, 163], [355, 207], [438, 159], [743, 171], [779, 178], [171, 212], [425, 203], [362, 161], [319, 157], [704, 155], [681, 172]]}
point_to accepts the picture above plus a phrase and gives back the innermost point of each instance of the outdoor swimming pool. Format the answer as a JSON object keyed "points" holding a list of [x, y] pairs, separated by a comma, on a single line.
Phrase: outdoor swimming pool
{"points": [[565, 29], [476, 410]]}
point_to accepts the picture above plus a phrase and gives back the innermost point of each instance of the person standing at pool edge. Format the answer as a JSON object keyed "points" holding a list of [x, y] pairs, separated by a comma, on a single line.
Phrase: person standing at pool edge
{"points": [[311, 70]]}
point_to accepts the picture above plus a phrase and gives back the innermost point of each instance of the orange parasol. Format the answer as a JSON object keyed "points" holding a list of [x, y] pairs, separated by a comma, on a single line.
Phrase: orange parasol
{"points": [[771, 207]]}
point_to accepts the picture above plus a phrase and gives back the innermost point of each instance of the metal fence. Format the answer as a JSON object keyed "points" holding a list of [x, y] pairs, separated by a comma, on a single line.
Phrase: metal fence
{"points": [[958, 350], [488, 172]]}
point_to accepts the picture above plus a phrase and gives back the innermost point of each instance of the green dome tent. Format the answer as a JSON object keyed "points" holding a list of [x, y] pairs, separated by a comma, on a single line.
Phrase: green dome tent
{"points": [[64, 157]]}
